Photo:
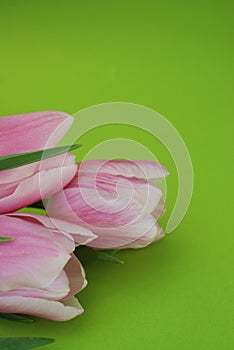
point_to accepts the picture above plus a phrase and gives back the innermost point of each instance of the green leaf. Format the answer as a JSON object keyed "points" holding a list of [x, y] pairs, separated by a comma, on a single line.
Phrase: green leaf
{"points": [[88, 255], [23, 343], [17, 160], [6, 239], [111, 251], [15, 317], [108, 255]]}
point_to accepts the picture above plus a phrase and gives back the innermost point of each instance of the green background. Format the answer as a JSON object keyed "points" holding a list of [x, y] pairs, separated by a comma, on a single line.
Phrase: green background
{"points": [[175, 57]]}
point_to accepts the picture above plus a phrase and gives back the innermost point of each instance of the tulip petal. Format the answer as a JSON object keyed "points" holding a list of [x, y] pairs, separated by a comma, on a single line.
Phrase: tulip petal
{"points": [[159, 210], [40, 185], [142, 169], [144, 192], [63, 237], [76, 276], [146, 239], [52, 310], [62, 229], [34, 259], [115, 222], [33, 131], [56, 291], [13, 177]]}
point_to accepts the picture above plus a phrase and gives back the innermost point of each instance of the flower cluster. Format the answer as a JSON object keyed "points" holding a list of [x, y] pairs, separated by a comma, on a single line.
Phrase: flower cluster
{"points": [[104, 204]]}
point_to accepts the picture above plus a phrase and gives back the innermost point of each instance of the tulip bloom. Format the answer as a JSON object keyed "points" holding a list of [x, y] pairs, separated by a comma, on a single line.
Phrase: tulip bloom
{"points": [[27, 184], [116, 200], [39, 273]]}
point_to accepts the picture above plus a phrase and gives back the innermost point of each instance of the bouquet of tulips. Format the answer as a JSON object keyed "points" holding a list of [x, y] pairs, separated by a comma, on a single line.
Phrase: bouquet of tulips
{"points": [[105, 205]]}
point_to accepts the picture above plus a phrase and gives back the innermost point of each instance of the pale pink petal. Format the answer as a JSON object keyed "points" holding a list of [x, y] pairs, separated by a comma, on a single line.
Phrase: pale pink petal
{"points": [[159, 210], [40, 185], [144, 192], [62, 229], [52, 310], [146, 239], [34, 259], [13, 177], [56, 291], [76, 276], [62, 237], [115, 222], [62, 160], [142, 169], [33, 131]]}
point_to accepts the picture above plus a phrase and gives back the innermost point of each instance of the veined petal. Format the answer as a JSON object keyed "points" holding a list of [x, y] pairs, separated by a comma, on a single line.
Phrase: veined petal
{"points": [[144, 192], [40, 185], [115, 222], [34, 259], [63, 238], [65, 231], [33, 131], [13, 177], [142, 169]]}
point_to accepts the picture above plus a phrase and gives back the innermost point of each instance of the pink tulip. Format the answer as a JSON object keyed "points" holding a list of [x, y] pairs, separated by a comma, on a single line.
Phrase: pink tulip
{"points": [[27, 184], [39, 273], [116, 200]]}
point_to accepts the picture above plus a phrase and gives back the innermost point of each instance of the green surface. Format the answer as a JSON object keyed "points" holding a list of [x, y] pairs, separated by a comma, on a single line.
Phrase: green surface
{"points": [[177, 58]]}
